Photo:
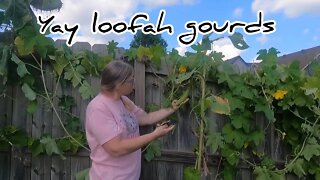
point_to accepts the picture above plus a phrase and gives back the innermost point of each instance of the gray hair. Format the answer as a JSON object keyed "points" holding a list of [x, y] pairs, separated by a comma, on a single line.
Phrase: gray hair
{"points": [[116, 72]]}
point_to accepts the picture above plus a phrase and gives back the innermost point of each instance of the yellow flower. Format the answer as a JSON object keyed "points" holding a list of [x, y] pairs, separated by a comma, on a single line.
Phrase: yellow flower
{"points": [[279, 94], [182, 69]]}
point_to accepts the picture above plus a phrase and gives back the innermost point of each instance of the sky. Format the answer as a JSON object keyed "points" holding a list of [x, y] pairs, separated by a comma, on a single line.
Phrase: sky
{"points": [[297, 22]]}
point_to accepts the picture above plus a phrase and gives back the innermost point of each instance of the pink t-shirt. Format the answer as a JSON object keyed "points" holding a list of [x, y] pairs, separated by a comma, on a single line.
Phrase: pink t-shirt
{"points": [[106, 119]]}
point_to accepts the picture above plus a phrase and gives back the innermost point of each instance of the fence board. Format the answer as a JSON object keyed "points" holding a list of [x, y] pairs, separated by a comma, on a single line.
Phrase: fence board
{"points": [[5, 165], [139, 84], [42, 124], [60, 169], [22, 120], [5, 105], [78, 163], [5, 119], [41, 167], [100, 49]]}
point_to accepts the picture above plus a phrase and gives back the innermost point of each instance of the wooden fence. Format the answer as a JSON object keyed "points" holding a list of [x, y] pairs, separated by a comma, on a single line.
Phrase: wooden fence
{"points": [[177, 150]]}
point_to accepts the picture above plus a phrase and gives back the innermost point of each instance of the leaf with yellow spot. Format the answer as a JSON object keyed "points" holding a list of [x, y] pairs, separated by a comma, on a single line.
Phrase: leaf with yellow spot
{"points": [[220, 105], [23, 50]]}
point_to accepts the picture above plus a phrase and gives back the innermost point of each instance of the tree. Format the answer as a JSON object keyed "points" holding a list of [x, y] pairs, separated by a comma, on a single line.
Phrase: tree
{"points": [[147, 40]]}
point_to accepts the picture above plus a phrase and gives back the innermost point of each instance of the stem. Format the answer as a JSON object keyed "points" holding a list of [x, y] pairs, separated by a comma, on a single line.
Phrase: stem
{"points": [[305, 120], [218, 168], [263, 91], [54, 109], [302, 148], [153, 72], [201, 128], [56, 88], [31, 65]]}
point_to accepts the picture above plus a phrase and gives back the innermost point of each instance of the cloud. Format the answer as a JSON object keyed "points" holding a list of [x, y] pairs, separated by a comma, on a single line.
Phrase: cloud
{"points": [[112, 10], [237, 13], [306, 31], [161, 3], [263, 39], [181, 50], [291, 8], [225, 46]]}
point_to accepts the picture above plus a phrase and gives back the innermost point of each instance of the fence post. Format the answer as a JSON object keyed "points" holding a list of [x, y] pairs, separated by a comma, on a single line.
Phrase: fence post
{"points": [[140, 79]]}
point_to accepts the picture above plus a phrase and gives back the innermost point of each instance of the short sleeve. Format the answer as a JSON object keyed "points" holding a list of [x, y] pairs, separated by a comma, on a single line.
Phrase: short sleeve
{"points": [[136, 110], [102, 125]]}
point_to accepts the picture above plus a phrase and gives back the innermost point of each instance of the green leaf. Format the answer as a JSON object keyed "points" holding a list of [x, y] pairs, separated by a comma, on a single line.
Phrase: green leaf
{"points": [[59, 63], [21, 69], [32, 106], [157, 52], [75, 75], [64, 144], [277, 175], [231, 155], [317, 174], [153, 150], [66, 102], [19, 138], [36, 148], [73, 124], [257, 137], [144, 52], [269, 58], [312, 85], [131, 53], [235, 102], [47, 5], [267, 111], [79, 136], [18, 12], [297, 167], [215, 141], [262, 173], [311, 149], [102, 62], [229, 172], [238, 41], [86, 90], [28, 92], [50, 146], [4, 145], [241, 121], [190, 173], [83, 175], [111, 47], [183, 77]]}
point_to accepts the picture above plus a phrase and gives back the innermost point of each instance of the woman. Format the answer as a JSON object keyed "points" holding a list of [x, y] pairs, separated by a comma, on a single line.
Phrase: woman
{"points": [[112, 126]]}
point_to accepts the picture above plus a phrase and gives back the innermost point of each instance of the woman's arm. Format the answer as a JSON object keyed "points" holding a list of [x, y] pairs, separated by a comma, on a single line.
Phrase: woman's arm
{"points": [[154, 117], [118, 146]]}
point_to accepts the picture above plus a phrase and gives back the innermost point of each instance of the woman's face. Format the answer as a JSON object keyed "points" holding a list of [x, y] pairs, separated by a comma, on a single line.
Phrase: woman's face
{"points": [[127, 86]]}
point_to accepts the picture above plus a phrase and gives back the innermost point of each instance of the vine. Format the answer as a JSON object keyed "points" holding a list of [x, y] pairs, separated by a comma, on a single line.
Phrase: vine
{"points": [[287, 99]]}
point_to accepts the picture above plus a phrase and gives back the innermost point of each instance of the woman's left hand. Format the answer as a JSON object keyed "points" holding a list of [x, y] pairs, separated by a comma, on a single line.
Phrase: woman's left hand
{"points": [[176, 106]]}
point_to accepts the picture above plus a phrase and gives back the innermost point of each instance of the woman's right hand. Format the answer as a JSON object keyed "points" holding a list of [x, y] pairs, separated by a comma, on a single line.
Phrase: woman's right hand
{"points": [[162, 130]]}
